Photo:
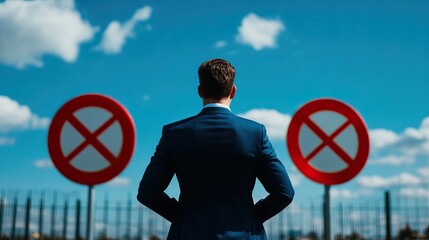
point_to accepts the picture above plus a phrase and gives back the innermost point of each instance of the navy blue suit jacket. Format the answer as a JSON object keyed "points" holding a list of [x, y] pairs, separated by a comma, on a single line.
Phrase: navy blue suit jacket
{"points": [[216, 157]]}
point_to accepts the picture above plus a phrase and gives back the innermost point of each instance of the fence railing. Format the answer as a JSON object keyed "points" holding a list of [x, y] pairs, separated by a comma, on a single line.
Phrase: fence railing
{"points": [[54, 215]]}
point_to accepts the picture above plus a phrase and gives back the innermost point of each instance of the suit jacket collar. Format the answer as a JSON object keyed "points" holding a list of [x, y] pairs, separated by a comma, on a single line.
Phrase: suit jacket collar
{"points": [[210, 110]]}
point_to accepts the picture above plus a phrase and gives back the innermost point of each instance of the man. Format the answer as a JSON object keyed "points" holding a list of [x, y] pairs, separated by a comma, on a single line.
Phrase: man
{"points": [[216, 157]]}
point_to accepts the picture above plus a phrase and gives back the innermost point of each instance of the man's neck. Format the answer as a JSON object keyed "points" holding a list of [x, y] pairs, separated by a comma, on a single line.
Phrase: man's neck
{"points": [[224, 101]]}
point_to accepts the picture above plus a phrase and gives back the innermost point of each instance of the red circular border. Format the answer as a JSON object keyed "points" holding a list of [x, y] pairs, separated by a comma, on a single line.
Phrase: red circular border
{"points": [[301, 163], [128, 132]]}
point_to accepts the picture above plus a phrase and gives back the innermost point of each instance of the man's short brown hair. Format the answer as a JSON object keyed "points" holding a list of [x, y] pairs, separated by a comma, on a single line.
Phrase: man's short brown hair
{"points": [[216, 78]]}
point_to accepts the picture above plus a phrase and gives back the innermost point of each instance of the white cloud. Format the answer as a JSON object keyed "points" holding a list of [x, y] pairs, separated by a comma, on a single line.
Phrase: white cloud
{"points": [[220, 44], [6, 141], [403, 179], [43, 163], [116, 33], [295, 178], [146, 98], [424, 172], [119, 182], [142, 14], [403, 148], [98, 226], [342, 194], [382, 137], [14, 116], [412, 141], [407, 185], [419, 192], [259, 32], [394, 160], [31, 29], [275, 122]]}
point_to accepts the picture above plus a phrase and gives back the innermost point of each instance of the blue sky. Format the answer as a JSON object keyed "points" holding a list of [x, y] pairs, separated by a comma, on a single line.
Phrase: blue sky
{"points": [[373, 55]]}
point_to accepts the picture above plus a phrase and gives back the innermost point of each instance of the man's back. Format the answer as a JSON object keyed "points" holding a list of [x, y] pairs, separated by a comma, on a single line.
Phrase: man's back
{"points": [[217, 157]]}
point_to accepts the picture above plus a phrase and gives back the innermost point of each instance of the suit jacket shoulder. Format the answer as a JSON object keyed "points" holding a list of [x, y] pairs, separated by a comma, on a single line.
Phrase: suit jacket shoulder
{"points": [[179, 123]]}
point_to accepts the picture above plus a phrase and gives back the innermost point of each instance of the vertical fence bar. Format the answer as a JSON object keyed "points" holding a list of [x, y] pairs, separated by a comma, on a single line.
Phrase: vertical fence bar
{"points": [[14, 212], [155, 223], [312, 218], [77, 232], [118, 220], [65, 216], [281, 226], [370, 216], [427, 207], [301, 211], [128, 223], [289, 221], [361, 210], [352, 225], [341, 223], [105, 216], [140, 223], [27, 217], [1, 215], [53, 209], [407, 212], [377, 221], [417, 215], [388, 217], [395, 209], [370, 222], [41, 210], [150, 223]]}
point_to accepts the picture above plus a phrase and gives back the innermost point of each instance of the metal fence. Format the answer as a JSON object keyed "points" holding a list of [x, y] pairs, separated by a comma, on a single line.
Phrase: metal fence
{"points": [[54, 215]]}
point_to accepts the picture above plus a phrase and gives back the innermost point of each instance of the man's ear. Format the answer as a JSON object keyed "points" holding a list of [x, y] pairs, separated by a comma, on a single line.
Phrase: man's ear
{"points": [[200, 92], [233, 91]]}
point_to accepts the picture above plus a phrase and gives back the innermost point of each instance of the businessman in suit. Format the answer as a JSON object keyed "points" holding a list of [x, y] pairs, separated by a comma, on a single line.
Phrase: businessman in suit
{"points": [[216, 156]]}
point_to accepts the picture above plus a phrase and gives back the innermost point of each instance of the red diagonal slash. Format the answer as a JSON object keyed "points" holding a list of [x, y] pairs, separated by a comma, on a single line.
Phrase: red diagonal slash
{"points": [[328, 141], [91, 138]]}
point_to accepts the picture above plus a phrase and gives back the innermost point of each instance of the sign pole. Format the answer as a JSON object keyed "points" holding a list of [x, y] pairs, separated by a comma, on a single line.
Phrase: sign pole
{"points": [[327, 213], [89, 213]]}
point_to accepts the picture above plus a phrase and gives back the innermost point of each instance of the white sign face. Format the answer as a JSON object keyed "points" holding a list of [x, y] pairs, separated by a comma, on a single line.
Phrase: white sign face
{"points": [[327, 156], [103, 134]]}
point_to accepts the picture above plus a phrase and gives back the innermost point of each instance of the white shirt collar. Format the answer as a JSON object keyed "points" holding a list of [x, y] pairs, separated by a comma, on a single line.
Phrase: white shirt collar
{"points": [[217, 105]]}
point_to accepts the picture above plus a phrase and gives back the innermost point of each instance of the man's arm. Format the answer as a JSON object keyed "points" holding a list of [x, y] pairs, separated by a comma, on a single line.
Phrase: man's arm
{"points": [[273, 176], [155, 180]]}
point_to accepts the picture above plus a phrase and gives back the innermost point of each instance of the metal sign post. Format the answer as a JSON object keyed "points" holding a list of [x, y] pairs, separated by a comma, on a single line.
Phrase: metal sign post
{"points": [[90, 207], [327, 213]]}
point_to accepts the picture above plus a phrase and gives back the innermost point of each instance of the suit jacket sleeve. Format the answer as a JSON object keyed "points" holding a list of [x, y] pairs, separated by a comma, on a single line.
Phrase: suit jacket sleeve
{"points": [[155, 180], [273, 176]]}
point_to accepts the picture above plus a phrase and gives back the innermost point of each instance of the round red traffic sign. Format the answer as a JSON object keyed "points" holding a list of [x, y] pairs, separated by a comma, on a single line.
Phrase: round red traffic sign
{"points": [[91, 139], [328, 141]]}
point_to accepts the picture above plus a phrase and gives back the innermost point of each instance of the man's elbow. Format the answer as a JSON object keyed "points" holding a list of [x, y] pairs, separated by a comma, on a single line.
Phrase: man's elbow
{"points": [[141, 198], [286, 198], [144, 197]]}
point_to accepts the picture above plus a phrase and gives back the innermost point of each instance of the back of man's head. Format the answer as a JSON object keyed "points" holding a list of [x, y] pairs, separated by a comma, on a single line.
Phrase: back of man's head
{"points": [[216, 78]]}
